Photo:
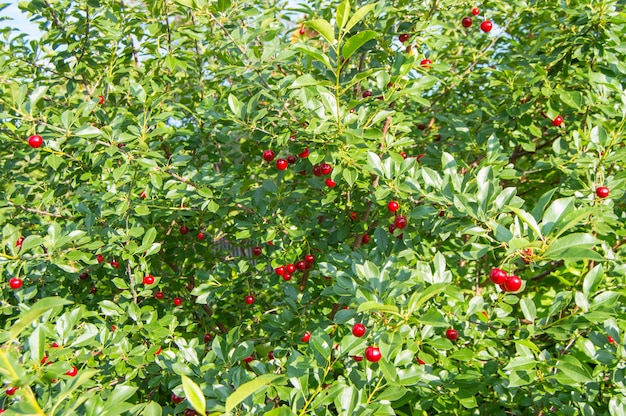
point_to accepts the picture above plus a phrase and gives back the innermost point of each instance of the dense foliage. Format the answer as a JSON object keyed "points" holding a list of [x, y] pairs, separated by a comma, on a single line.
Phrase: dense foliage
{"points": [[261, 208]]}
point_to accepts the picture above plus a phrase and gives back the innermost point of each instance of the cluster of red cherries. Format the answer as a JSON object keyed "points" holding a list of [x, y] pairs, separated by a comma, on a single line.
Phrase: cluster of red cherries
{"points": [[287, 271], [323, 169], [508, 283]]}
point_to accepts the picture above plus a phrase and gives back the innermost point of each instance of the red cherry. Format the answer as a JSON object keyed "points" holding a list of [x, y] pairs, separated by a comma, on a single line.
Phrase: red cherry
{"points": [[486, 26], [15, 283], [100, 258], [426, 63], [373, 354], [420, 361], [113, 328], [291, 159], [279, 271], [93, 290], [400, 221], [72, 372], [512, 283], [303, 154], [330, 183], [183, 229], [392, 228], [148, 280], [44, 359], [201, 236], [159, 295], [115, 264], [497, 276], [249, 299], [143, 194], [35, 141], [326, 168], [452, 334], [178, 301], [366, 94], [466, 22], [286, 277], [158, 352], [403, 37], [393, 206], [301, 265], [249, 358], [268, 155], [358, 330], [190, 412], [357, 358], [602, 192], [83, 276], [309, 258], [270, 355], [306, 337], [352, 111], [100, 99], [302, 30], [558, 120], [54, 345], [177, 399], [19, 242], [475, 11], [365, 239], [257, 251], [290, 268], [317, 170], [10, 391], [610, 339], [404, 155], [281, 164]]}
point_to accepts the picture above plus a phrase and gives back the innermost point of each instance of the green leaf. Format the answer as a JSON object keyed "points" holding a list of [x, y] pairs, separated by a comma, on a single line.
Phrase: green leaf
{"points": [[249, 388], [280, 411], [235, 105], [152, 409], [373, 305], [599, 136], [35, 311], [121, 393], [194, 394], [88, 131], [593, 279], [555, 213], [324, 28], [36, 95], [359, 15], [316, 54], [528, 219], [528, 309], [573, 369], [304, 81], [573, 247], [71, 386], [373, 161], [356, 41], [423, 296], [343, 13]]}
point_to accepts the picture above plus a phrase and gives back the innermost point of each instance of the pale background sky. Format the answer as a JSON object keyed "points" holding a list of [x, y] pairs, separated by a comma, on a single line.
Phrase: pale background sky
{"points": [[19, 20]]}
